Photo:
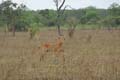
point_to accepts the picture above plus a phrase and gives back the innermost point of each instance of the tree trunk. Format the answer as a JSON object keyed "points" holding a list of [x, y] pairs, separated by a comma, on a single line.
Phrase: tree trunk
{"points": [[13, 30], [58, 23], [6, 30], [59, 13], [59, 30]]}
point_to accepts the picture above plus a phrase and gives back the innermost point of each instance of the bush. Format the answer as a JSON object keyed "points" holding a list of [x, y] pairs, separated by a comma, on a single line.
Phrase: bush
{"points": [[110, 22], [21, 26], [33, 30]]}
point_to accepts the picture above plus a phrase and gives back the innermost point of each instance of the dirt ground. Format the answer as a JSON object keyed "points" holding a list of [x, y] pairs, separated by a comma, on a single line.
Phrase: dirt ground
{"points": [[89, 55]]}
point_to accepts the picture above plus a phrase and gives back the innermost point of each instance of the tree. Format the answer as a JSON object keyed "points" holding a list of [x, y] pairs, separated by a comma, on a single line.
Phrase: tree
{"points": [[114, 9], [72, 23], [113, 18], [18, 14], [10, 13], [59, 4]]}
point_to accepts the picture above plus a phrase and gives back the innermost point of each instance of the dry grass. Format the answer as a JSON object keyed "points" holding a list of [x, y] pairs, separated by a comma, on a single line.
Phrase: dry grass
{"points": [[90, 55]]}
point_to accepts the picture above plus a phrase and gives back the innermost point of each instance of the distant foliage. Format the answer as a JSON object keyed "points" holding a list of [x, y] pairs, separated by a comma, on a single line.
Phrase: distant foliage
{"points": [[110, 22], [19, 17]]}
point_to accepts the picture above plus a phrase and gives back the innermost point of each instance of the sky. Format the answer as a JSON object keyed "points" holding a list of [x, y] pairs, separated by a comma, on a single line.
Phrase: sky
{"points": [[49, 4]]}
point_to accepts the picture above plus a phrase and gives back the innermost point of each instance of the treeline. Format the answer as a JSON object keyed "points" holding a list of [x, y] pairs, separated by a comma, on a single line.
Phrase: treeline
{"points": [[19, 17]]}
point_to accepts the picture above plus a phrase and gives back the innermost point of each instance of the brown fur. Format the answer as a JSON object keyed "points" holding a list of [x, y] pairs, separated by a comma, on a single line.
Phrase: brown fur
{"points": [[56, 47]]}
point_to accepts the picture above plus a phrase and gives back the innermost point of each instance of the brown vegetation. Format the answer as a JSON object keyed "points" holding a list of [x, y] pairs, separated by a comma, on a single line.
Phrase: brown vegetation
{"points": [[90, 55]]}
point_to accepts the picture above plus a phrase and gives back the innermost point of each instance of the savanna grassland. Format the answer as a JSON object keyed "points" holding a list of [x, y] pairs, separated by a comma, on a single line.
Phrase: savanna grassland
{"points": [[89, 55]]}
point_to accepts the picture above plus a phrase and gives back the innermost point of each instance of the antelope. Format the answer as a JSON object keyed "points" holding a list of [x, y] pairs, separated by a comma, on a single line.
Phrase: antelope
{"points": [[56, 47], [59, 44], [46, 46]]}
